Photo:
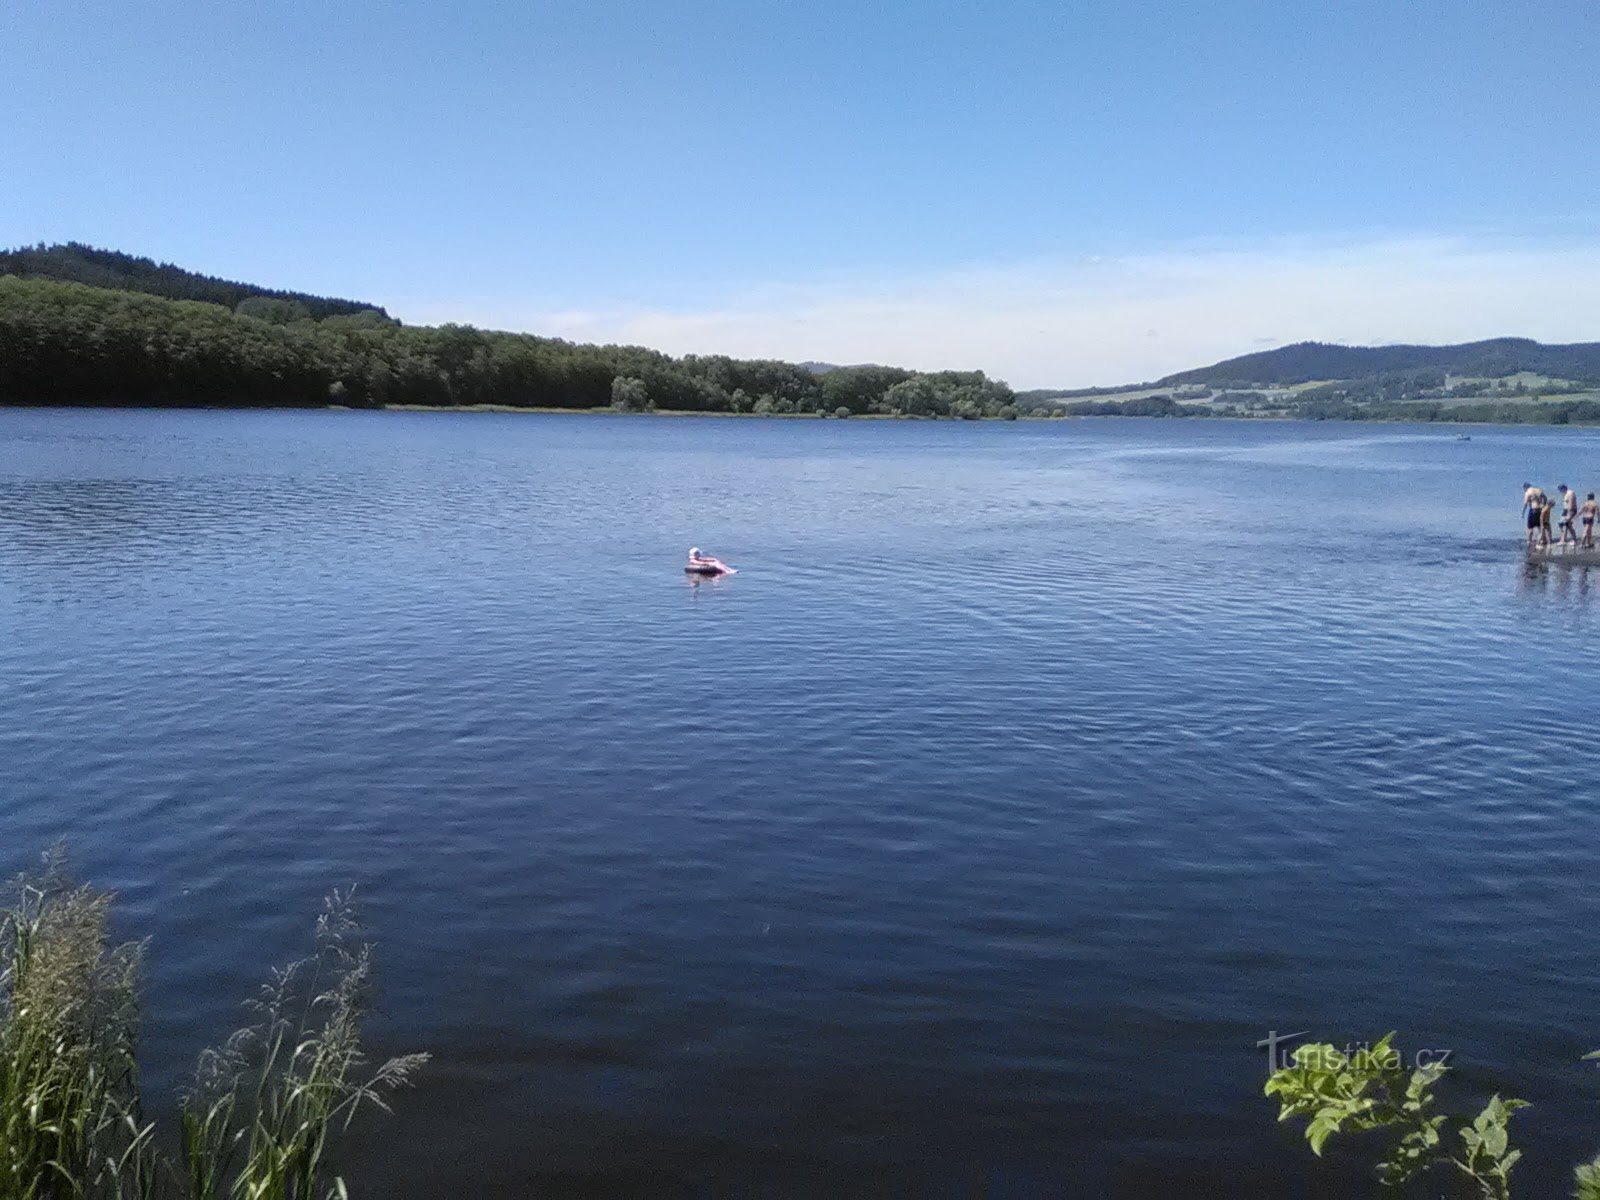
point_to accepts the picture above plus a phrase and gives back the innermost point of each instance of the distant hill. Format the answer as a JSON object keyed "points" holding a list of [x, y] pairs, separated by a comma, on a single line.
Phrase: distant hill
{"points": [[1306, 361], [74, 262], [83, 326], [824, 368]]}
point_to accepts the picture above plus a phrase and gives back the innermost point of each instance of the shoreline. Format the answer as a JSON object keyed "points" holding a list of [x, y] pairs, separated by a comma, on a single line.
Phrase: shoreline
{"points": [[1030, 418], [654, 412]]}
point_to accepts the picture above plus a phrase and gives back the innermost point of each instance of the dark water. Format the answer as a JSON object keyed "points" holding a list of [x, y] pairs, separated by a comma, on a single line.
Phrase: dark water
{"points": [[964, 843]]}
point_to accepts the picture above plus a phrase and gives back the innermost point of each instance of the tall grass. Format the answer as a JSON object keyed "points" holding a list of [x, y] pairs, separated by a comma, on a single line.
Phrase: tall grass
{"points": [[69, 1092], [264, 1108], [257, 1123]]}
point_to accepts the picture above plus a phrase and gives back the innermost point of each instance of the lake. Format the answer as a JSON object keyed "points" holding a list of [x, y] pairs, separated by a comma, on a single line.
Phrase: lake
{"points": [[966, 842]]}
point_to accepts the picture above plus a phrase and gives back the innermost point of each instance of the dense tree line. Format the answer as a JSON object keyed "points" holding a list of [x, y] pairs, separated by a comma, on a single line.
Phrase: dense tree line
{"points": [[1384, 388], [75, 262], [1334, 404], [1565, 412], [1139, 406], [67, 343]]}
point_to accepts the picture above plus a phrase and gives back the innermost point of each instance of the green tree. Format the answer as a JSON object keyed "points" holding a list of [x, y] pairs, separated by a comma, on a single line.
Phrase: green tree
{"points": [[272, 310], [858, 388], [629, 394]]}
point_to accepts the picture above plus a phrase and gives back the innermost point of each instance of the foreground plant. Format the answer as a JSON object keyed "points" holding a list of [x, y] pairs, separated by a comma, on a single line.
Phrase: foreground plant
{"points": [[258, 1122], [1371, 1089], [69, 1092]]}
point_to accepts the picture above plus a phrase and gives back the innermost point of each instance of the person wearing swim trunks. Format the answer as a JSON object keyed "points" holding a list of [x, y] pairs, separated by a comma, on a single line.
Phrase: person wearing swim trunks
{"points": [[1547, 508], [1532, 504], [1569, 514], [1589, 511]]}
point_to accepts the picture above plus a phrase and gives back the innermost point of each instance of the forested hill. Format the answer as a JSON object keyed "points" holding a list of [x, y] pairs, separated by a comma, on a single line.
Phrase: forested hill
{"points": [[77, 263], [1307, 361], [67, 342]]}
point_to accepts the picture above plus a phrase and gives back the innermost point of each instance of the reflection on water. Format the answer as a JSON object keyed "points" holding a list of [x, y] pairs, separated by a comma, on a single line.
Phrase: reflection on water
{"points": [[1564, 581], [1022, 780]]}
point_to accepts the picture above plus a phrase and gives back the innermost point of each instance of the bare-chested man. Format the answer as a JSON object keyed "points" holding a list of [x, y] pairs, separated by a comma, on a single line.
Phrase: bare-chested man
{"points": [[1589, 511], [1533, 509], [1569, 514]]}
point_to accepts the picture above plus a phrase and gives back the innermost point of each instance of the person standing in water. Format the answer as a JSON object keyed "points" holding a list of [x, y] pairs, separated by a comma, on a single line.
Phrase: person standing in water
{"points": [[1589, 511], [1533, 509], [1569, 514]]}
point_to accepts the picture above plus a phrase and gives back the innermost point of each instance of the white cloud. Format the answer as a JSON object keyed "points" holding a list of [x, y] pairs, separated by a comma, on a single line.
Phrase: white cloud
{"points": [[1102, 320]]}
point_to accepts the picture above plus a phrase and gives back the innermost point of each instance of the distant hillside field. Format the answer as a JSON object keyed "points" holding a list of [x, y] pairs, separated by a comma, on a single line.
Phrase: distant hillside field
{"points": [[1509, 381], [1308, 361], [74, 262]]}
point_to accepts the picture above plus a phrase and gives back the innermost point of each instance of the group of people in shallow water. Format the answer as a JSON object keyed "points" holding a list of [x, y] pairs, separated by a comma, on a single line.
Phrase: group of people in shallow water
{"points": [[1537, 506], [1540, 508]]}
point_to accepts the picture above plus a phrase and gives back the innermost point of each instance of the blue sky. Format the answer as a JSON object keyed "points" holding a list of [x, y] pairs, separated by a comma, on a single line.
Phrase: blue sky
{"points": [[1057, 193]]}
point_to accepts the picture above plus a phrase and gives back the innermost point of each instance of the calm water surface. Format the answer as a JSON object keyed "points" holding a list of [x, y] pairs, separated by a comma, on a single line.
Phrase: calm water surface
{"points": [[965, 842]]}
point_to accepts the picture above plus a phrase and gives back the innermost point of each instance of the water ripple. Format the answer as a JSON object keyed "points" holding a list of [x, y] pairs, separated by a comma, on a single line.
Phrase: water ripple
{"points": [[1021, 779]]}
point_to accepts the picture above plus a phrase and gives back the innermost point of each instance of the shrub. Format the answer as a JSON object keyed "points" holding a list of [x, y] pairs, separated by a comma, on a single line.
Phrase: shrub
{"points": [[630, 394], [1370, 1089]]}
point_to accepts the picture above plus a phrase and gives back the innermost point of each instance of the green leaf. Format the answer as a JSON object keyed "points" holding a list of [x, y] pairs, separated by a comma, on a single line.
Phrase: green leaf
{"points": [[1319, 1131], [1587, 1178]]}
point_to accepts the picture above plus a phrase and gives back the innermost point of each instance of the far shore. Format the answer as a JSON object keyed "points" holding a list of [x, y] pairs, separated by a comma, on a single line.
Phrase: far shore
{"points": [[653, 412], [1460, 426], [1030, 417]]}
